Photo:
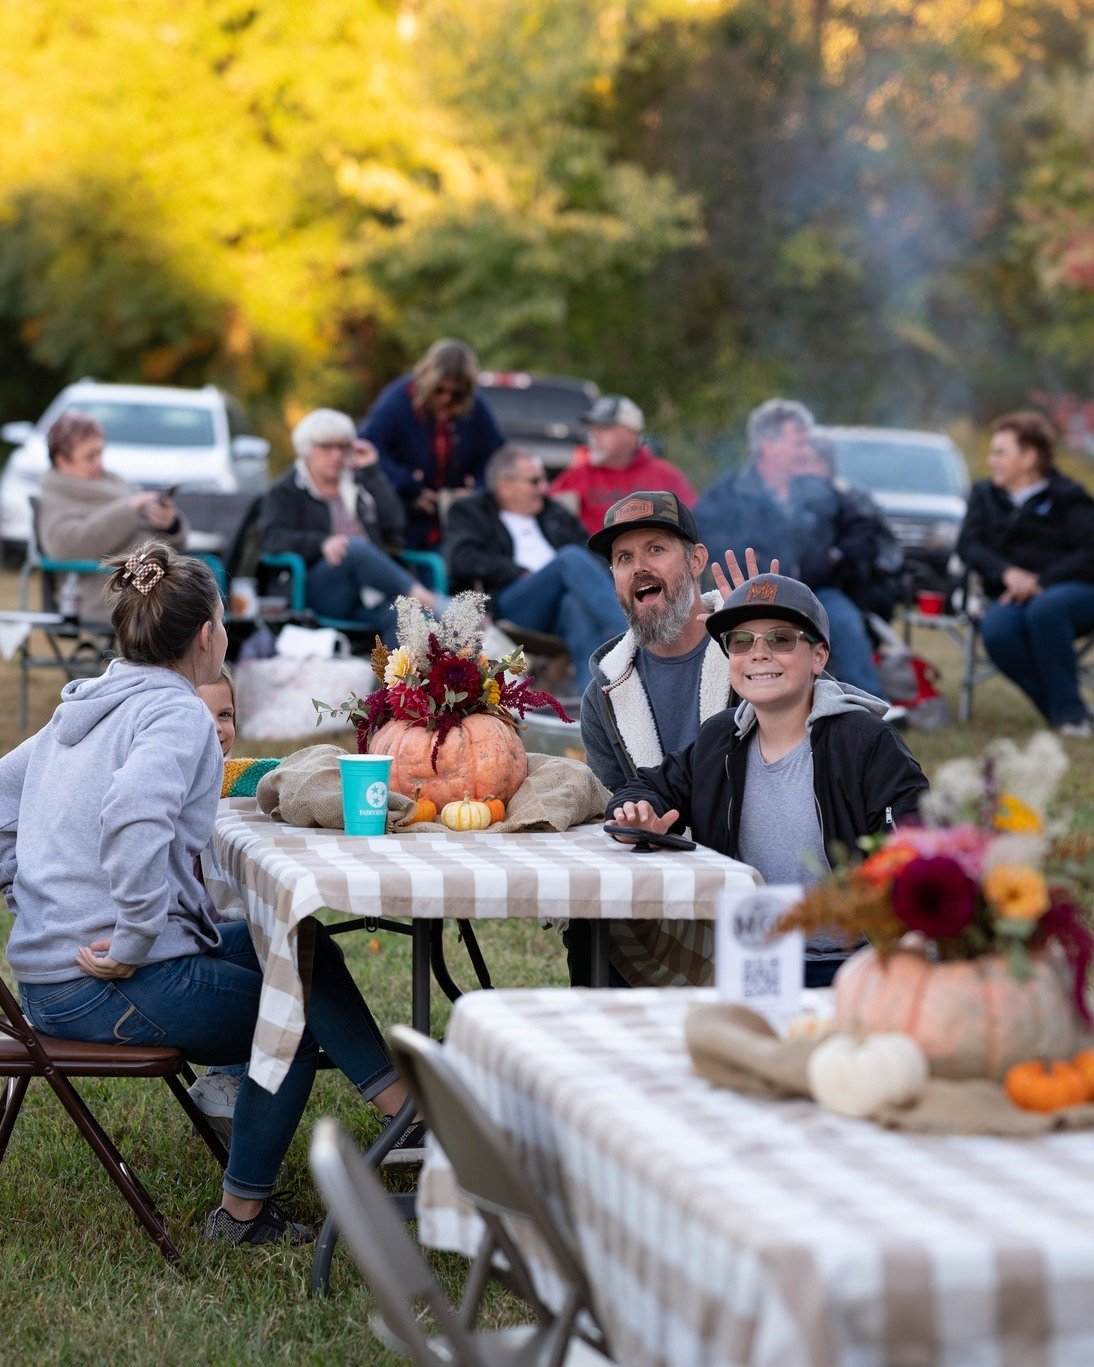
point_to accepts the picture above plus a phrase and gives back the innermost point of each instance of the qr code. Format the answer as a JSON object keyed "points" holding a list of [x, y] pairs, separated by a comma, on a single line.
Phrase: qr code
{"points": [[761, 977]]}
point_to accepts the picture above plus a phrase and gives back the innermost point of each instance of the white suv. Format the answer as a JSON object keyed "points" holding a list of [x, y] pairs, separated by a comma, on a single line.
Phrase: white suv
{"points": [[198, 439]]}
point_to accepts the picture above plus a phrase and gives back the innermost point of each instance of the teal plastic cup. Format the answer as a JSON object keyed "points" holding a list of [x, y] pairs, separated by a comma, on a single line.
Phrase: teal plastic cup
{"points": [[364, 793]]}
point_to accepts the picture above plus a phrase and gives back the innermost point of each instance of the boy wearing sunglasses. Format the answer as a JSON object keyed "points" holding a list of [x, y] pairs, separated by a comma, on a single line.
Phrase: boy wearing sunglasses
{"points": [[802, 765]]}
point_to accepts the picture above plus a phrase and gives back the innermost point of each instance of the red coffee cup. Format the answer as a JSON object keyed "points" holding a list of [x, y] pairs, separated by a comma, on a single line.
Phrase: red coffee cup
{"points": [[930, 604]]}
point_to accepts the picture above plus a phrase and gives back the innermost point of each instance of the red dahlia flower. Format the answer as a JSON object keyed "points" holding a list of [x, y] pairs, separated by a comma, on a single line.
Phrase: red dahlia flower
{"points": [[935, 896]]}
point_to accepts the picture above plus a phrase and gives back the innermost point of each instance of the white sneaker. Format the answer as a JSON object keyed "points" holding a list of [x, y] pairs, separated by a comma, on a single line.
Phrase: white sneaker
{"points": [[215, 1095], [1077, 730]]}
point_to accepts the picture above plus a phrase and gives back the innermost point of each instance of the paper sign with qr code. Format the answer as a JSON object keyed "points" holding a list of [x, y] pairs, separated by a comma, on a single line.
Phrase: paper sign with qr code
{"points": [[753, 966]]}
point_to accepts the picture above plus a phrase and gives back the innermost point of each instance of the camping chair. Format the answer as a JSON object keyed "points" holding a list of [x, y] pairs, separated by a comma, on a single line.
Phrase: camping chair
{"points": [[400, 1278], [25, 1054], [489, 1177], [961, 623], [294, 574], [78, 649]]}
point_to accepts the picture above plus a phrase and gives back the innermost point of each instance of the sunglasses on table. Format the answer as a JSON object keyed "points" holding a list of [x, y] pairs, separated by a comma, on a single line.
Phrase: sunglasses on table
{"points": [[780, 640]]}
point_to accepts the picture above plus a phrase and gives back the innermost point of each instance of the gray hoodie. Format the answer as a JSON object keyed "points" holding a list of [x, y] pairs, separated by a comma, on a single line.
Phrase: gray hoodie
{"points": [[102, 814]]}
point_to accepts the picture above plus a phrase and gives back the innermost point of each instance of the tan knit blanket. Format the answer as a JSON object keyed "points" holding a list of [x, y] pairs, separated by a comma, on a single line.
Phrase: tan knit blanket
{"points": [[306, 790], [733, 1047]]}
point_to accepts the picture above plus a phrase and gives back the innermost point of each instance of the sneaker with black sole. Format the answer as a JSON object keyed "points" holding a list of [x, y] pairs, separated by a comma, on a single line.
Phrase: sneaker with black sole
{"points": [[215, 1095], [409, 1147], [270, 1226]]}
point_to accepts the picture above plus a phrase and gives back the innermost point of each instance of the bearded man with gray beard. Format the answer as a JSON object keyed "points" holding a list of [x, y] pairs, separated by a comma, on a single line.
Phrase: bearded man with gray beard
{"points": [[651, 690]]}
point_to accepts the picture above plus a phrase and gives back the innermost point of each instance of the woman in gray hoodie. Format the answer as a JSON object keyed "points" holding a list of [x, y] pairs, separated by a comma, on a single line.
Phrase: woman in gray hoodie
{"points": [[102, 815]]}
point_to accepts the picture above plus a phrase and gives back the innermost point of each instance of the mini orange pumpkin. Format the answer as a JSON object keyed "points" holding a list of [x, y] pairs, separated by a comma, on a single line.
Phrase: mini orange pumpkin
{"points": [[497, 809], [424, 810], [1085, 1064], [1036, 1086]]}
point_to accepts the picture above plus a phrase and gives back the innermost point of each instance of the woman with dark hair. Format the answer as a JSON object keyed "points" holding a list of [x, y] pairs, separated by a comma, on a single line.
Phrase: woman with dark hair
{"points": [[103, 814], [433, 431], [1029, 534]]}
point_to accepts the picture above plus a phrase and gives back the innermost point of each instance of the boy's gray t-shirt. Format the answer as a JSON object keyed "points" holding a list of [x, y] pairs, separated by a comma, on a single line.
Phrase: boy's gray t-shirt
{"points": [[672, 686], [780, 831]]}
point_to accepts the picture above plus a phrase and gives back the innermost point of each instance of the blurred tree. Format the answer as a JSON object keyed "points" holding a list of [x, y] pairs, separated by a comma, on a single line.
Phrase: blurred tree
{"points": [[882, 206]]}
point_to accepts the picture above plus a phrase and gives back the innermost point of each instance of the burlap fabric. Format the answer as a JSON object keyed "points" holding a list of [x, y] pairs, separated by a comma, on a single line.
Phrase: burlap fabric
{"points": [[733, 1047], [306, 790]]}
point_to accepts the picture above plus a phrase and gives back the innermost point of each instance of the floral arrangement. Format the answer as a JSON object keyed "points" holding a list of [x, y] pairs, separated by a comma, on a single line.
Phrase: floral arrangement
{"points": [[984, 874], [438, 675]]}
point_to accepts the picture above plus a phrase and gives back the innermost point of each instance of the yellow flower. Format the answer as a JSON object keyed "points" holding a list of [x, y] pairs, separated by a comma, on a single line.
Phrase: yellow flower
{"points": [[1015, 816], [491, 691], [399, 665], [1016, 891]]}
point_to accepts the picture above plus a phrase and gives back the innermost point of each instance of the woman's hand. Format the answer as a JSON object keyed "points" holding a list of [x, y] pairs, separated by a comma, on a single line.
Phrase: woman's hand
{"points": [[641, 814], [1020, 585], [97, 963], [334, 549]]}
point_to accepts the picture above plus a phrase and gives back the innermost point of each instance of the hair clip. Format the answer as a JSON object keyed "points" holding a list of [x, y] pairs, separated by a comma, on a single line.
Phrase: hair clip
{"points": [[145, 577]]}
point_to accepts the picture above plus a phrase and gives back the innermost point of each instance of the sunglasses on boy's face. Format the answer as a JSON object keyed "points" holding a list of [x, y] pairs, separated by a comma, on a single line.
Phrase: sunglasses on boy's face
{"points": [[779, 640]]}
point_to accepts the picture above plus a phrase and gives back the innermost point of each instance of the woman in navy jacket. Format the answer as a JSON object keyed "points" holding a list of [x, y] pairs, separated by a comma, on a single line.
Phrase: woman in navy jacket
{"points": [[433, 432]]}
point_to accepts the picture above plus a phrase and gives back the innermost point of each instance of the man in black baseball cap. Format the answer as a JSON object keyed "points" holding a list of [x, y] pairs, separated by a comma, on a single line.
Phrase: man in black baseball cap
{"points": [[651, 690]]}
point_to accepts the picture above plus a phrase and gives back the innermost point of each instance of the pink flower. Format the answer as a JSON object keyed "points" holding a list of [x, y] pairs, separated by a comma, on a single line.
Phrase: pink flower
{"points": [[966, 845], [935, 896]]}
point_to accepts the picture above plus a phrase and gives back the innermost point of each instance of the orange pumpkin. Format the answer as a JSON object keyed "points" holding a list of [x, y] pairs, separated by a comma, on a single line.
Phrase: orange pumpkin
{"points": [[1085, 1064], [1036, 1086], [497, 809], [482, 755], [972, 1017], [424, 810]]}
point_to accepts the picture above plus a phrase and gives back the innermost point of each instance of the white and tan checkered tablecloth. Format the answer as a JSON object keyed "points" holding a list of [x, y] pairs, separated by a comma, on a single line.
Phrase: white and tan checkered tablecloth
{"points": [[720, 1229], [285, 874]]}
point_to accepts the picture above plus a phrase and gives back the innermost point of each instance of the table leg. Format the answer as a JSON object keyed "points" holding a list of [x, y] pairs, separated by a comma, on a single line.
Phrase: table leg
{"points": [[420, 973], [598, 956], [474, 953]]}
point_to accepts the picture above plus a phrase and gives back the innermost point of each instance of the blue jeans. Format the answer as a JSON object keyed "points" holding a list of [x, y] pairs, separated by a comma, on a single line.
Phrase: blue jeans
{"points": [[335, 590], [574, 598], [206, 1005], [852, 655], [1033, 644]]}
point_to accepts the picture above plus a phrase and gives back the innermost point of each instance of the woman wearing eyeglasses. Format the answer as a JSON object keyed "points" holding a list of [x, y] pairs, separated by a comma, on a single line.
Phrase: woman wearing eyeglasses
{"points": [[337, 509], [802, 765], [433, 431]]}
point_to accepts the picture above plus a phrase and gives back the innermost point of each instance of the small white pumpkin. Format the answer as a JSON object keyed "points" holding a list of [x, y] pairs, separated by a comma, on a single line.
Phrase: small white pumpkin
{"points": [[467, 815], [857, 1077]]}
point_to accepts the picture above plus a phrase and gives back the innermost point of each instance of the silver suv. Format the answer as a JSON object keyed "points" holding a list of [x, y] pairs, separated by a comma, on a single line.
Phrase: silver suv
{"points": [[921, 482], [197, 439]]}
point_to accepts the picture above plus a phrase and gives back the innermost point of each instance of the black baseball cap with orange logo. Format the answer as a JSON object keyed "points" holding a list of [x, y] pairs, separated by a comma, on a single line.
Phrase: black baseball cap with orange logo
{"points": [[771, 595], [643, 508]]}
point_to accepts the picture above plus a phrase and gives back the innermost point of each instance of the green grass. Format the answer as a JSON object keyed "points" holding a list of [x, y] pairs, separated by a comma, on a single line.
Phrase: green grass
{"points": [[79, 1280]]}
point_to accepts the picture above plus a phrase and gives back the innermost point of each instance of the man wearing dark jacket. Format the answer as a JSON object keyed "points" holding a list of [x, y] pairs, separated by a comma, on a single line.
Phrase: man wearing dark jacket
{"points": [[802, 765], [1029, 534], [529, 554], [777, 505]]}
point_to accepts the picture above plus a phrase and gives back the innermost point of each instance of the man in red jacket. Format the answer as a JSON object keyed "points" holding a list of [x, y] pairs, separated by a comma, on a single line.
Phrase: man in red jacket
{"points": [[615, 463]]}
